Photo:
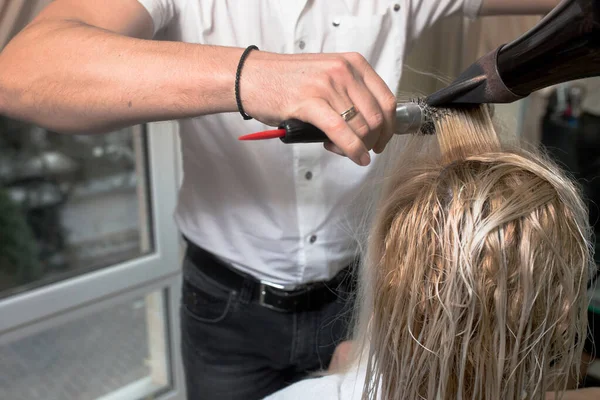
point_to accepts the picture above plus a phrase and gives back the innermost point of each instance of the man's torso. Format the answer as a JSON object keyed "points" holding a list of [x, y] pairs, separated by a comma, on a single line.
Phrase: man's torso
{"points": [[287, 214]]}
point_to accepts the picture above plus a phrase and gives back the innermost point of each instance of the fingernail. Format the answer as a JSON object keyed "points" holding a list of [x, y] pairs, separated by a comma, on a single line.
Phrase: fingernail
{"points": [[365, 159]]}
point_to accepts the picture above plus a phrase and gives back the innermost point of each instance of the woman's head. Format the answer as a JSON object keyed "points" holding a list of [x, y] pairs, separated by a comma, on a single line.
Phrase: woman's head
{"points": [[474, 286]]}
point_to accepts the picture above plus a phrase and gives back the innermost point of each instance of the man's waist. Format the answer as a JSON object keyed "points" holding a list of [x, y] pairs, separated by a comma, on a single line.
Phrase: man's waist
{"points": [[285, 298], [282, 263], [291, 276]]}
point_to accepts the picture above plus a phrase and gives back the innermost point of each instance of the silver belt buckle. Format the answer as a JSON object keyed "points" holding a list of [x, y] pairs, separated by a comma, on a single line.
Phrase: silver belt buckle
{"points": [[263, 293]]}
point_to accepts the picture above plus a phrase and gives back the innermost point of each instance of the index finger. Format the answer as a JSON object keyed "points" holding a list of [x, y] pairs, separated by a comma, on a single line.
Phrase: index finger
{"points": [[387, 101]]}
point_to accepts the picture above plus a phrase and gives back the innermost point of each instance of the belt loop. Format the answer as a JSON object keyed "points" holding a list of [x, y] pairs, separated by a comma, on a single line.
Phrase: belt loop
{"points": [[246, 292]]}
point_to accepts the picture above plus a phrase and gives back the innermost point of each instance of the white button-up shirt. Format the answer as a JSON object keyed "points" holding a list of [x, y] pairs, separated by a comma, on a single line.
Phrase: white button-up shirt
{"points": [[287, 214]]}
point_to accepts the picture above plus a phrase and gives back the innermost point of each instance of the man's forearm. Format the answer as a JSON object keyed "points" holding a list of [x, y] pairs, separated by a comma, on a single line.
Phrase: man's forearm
{"points": [[81, 67], [93, 80], [517, 7]]}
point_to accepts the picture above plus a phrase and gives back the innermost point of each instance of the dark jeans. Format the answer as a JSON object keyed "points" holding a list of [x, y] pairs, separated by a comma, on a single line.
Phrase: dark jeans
{"points": [[236, 349]]}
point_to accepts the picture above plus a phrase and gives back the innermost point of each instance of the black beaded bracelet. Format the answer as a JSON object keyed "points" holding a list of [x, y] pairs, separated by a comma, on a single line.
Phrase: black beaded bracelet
{"points": [[237, 81]]}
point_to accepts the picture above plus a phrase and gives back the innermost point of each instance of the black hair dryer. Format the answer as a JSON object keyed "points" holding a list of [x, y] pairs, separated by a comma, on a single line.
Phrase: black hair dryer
{"points": [[563, 46]]}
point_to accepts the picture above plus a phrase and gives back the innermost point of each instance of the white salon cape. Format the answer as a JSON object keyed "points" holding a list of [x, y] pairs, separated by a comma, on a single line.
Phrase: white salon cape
{"points": [[286, 214], [346, 386]]}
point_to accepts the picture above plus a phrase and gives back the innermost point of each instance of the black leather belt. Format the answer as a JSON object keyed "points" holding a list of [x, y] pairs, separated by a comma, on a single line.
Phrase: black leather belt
{"points": [[304, 298]]}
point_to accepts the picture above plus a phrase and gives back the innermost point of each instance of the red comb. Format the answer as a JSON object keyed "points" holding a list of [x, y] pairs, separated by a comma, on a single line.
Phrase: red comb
{"points": [[272, 134]]}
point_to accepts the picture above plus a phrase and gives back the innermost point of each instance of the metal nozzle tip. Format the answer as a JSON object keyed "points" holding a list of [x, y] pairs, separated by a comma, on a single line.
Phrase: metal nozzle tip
{"points": [[417, 117], [409, 118]]}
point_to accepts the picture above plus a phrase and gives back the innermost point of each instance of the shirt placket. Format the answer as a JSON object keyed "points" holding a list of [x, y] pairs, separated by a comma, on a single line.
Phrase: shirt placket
{"points": [[310, 205], [307, 171], [300, 38]]}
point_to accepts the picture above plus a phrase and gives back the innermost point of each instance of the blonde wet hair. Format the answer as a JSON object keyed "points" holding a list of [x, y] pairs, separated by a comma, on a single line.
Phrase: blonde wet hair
{"points": [[474, 282]]}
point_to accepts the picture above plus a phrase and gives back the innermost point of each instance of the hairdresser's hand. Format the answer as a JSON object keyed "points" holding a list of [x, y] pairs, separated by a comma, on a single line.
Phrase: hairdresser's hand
{"points": [[317, 88], [341, 356]]}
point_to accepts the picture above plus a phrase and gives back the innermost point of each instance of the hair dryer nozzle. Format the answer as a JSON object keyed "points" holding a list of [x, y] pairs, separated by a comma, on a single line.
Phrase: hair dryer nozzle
{"points": [[563, 46], [478, 84]]}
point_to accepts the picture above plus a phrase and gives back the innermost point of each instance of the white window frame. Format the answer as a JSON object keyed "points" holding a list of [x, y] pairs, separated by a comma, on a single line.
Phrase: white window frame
{"points": [[50, 306]]}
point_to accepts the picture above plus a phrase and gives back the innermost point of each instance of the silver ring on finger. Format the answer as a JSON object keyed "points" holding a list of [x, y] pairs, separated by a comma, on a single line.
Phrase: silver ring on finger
{"points": [[349, 114]]}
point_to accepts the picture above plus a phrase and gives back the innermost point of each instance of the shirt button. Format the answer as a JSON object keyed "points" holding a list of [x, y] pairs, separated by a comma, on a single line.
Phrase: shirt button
{"points": [[308, 176], [336, 22], [313, 239], [396, 7], [301, 44]]}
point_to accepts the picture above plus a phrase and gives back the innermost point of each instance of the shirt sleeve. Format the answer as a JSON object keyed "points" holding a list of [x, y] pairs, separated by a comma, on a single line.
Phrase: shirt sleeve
{"points": [[425, 13], [162, 11], [471, 8]]}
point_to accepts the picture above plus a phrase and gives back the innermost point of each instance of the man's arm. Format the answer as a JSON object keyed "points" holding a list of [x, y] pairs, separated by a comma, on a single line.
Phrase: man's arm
{"points": [[85, 66], [517, 7], [90, 66]]}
